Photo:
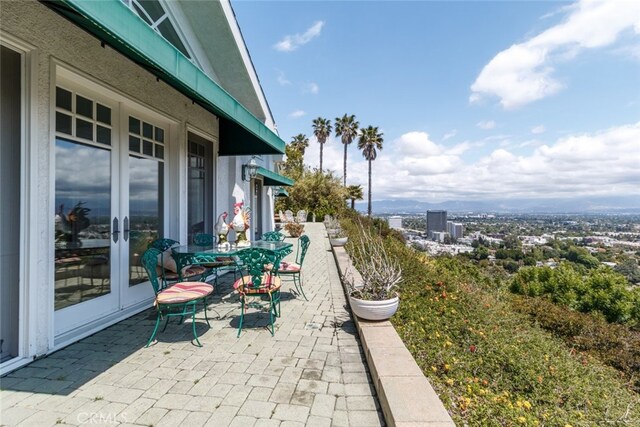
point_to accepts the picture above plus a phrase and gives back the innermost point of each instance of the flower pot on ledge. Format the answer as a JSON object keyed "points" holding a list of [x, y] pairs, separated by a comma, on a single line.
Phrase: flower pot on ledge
{"points": [[338, 241], [374, 310]]}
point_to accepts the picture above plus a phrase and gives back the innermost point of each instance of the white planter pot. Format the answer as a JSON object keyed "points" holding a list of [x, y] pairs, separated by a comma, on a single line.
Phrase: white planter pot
{"points": [[338, 241], [374, 310]]}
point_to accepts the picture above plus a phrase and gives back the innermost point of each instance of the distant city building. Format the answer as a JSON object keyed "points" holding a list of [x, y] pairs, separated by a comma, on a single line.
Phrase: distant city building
{"points": [[455, 229], [395, 222], [436, 222], [439, 236]]}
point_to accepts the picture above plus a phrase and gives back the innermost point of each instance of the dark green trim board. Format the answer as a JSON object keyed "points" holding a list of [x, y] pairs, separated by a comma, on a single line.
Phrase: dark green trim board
{"points": [[112, 22], [272, 178]]}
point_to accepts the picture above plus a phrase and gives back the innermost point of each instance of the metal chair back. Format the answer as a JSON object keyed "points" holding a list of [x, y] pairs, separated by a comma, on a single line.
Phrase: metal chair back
{"points": [[149, 261], [273, 236], [163, 244], [253, 262], [204, 239], [303, 245]]}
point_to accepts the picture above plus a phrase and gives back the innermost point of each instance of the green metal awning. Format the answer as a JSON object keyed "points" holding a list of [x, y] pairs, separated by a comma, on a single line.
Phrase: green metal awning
{"points": [[272, 178], [282, 193], [114, 23]]}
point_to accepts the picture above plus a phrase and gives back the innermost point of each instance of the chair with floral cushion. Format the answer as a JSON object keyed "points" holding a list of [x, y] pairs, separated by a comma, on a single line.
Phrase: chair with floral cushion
{"points": [[293, 270], [258, 283], [179, 299], [220, 263], [167, 269], [273, 236]]}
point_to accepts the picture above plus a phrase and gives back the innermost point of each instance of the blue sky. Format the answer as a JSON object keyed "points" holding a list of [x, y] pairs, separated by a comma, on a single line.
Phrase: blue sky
{"points": [[477, 100]]}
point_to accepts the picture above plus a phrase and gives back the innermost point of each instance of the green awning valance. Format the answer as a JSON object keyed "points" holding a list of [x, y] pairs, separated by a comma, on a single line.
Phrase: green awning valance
{"points": [[114, 23], [282, 193], [272, 178]]}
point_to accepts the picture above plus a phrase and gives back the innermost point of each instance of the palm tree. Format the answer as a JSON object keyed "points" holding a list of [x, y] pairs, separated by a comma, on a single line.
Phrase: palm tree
{"points": [[370, 141], [347, 128], [300, 142], [322, 130], [354, 193]]}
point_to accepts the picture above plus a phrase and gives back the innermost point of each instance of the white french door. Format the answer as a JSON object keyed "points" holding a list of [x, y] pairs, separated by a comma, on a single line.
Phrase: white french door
{"points": [[109, 191]]}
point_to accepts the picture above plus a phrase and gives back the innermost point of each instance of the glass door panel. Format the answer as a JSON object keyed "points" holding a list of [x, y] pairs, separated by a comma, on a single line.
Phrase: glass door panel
{"points": [[82, 223], [200, 191], [146, 178]]}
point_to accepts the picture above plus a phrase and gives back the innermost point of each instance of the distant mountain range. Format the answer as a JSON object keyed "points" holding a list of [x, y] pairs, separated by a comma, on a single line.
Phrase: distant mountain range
{"points": [[588, 205]]}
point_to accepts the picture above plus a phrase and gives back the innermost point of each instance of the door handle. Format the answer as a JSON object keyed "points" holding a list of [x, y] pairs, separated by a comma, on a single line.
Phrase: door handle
{"points": [[125, 225], [116, 230]]}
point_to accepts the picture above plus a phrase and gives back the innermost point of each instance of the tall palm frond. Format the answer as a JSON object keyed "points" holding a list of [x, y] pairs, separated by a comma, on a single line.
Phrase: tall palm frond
{"points": [[300, 142], [370, 142], [347, 129], [354, 193], [321, 129]]}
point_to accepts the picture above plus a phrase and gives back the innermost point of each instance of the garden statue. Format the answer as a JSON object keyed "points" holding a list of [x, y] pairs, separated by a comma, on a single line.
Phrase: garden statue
{"points": [[240, 223], [222, 229]]}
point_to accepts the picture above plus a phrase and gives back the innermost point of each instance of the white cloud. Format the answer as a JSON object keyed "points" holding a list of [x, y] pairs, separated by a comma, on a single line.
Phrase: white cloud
{"points": [[486, 124], [282, 80], [312, 88], [603, 163], [297, 114], [538, 129], [450, 134], [523, 73], [292, 42]]}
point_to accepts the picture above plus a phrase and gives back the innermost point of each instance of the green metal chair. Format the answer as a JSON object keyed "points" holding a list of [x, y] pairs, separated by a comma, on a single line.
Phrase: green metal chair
{"points": [[258, 283], [293, 270], [179, 299], [221, 263], [167, 275], [273, 236]]}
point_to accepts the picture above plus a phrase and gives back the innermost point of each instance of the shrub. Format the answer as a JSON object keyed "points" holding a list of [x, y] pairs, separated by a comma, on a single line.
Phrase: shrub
{"points": [[616, 345], [602, 290]]}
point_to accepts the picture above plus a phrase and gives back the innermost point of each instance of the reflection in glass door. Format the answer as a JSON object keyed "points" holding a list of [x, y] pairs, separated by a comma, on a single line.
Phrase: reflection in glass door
{"points": [[145, 195], [83, 185], [82, 223]]}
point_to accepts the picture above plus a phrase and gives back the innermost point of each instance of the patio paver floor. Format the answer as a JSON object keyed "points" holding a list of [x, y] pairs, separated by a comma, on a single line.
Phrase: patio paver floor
{"points": [[312, 372]]}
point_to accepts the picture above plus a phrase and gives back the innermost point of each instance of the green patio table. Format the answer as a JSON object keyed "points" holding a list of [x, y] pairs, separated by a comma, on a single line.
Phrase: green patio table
{"points": [[194, 254]]}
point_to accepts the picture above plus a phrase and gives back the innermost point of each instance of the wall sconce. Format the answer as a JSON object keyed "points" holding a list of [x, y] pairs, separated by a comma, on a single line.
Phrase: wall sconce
{"points": [[250, 170]]}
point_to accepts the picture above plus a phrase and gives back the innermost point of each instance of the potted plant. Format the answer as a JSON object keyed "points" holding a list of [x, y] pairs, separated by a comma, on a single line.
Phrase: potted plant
{"points": [[338, 237], [332, 225], [374, 296], [294, 229]]}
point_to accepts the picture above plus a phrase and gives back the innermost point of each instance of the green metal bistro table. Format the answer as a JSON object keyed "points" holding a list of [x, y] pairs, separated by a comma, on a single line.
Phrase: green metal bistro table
{"points": [[194, 254]]}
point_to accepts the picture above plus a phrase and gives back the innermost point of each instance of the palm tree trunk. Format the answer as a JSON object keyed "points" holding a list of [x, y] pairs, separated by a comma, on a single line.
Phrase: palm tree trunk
{"points": [[369, 208], [321, 147], [344, 177], [353, 203]]}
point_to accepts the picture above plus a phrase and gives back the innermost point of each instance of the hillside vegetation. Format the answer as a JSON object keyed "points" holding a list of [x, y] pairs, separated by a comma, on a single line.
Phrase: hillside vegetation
{"points": [[491, 355]]}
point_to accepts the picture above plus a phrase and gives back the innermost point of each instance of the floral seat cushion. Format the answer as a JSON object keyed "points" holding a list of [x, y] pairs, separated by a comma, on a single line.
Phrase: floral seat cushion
{"points": [[270, 283], [289, 267], [184, 292], [187, 272]]}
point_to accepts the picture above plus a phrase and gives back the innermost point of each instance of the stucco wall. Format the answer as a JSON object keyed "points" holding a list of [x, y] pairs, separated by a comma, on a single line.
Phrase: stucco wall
{"points": [[55, 37]]}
